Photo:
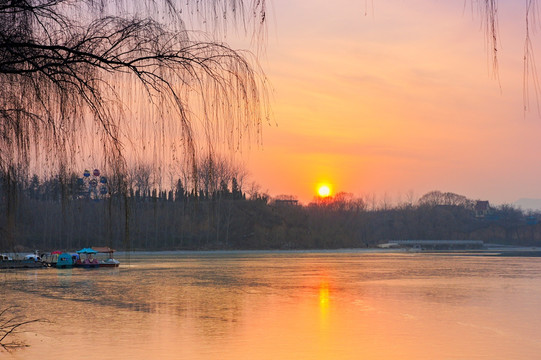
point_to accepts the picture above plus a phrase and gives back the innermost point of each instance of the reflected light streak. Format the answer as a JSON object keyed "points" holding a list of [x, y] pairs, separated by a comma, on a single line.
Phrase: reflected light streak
{"points": [[324, 297], [324, 294]]}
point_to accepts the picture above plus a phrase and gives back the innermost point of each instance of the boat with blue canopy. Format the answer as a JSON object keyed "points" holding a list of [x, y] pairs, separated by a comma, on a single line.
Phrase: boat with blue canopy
{"points": [[64, 261], [90, 261]]}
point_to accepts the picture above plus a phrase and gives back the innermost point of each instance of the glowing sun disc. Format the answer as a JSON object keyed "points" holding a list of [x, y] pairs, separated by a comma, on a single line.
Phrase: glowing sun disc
{"points": [[324, 191]]}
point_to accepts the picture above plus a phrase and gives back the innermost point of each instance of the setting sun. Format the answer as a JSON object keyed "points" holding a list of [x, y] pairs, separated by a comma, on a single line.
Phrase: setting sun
{"points": [[324, 191]]}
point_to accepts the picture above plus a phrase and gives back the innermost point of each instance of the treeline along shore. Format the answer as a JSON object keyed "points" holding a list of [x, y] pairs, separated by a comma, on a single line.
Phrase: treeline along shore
{"points": [[53, 214]]}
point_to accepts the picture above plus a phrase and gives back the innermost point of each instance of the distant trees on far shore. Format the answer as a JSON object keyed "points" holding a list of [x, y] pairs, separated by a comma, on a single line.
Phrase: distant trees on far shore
{"points": [[217, 213]]}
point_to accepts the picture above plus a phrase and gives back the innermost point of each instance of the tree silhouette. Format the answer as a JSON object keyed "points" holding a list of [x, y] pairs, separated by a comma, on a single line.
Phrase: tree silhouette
{"points": [[81, 76]]}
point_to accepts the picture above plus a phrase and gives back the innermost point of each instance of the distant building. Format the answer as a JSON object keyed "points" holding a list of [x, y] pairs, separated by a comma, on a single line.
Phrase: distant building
{"points": [[286, 202], [481, 208]]}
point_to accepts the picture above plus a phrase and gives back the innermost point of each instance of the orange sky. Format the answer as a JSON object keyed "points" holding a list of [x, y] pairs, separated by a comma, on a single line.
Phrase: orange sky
{"points": [[396, 102]]}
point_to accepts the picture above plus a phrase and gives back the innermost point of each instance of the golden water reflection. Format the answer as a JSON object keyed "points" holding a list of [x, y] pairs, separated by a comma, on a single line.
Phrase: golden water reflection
{"points": [[284, 306], [324, 295]]}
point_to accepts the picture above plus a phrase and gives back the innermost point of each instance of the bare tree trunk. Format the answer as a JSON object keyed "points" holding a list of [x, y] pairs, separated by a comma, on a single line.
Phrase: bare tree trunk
{"points": [[11, 208]]}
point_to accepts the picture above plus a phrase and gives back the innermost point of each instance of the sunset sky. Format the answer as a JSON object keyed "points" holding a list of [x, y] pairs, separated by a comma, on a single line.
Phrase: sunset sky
{"points": [[396, 98]]}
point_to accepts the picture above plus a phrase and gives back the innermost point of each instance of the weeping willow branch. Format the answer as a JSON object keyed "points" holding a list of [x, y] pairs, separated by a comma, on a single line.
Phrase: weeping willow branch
{"points": [[490, 23], [531, 86], [530, 77], [134, 83]]}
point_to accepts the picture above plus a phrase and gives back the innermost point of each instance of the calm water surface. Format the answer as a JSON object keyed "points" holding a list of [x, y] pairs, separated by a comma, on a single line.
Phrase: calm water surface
{"points": [[282, 305]]}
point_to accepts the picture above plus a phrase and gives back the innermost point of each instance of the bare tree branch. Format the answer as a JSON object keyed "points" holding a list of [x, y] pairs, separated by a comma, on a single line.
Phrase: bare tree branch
{"points": [[10, 325]]}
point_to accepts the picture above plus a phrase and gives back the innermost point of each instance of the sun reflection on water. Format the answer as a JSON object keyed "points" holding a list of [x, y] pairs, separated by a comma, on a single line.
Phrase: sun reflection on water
{"points": [[324, 294]]}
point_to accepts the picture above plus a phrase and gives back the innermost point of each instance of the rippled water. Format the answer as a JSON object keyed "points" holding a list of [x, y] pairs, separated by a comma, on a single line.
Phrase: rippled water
{"points": [[282, 305]]}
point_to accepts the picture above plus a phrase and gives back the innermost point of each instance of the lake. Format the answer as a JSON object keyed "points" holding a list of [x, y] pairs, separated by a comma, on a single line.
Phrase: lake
{"points": [[282, 305]]}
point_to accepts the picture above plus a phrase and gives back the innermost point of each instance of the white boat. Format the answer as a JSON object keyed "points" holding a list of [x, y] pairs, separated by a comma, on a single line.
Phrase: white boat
{"points": [[34, 257], [109, 260]]}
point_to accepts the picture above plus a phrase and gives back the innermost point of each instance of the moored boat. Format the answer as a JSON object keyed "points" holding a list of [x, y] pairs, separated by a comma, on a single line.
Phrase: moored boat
{"points": [[7, 262], [109, 260], [87, 258], [35, 257], [50, 259], [90, 261], [64, 261]]}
